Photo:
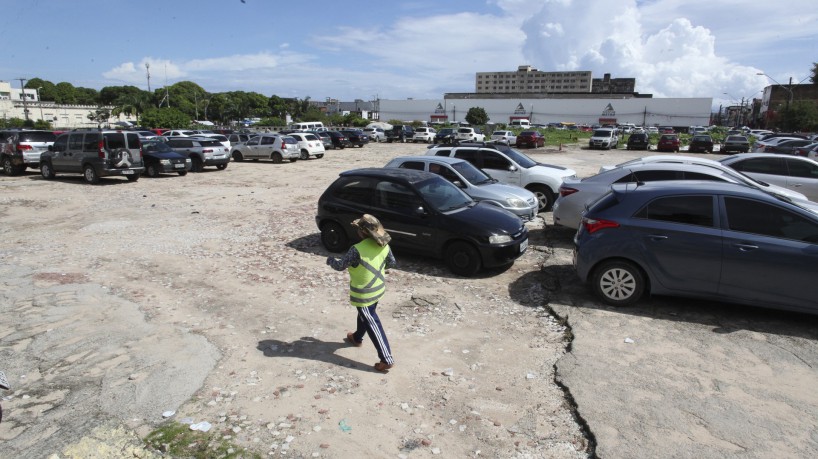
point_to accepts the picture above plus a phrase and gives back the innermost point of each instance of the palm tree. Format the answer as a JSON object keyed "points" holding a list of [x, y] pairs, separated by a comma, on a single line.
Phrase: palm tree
{"points": [[134, 103]]}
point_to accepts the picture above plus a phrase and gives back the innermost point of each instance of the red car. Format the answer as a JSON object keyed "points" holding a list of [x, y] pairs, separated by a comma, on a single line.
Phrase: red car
{"points": [[668, 142], [531, 139]]}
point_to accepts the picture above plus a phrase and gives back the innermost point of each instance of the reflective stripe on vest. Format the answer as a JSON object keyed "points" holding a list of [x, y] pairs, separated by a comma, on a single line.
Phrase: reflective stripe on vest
{"points": [[366, 281]]}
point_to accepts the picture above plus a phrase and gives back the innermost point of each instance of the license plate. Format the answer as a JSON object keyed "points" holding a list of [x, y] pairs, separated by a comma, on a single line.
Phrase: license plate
{"points": [[523, 246], [127, 172], [179, 166]]}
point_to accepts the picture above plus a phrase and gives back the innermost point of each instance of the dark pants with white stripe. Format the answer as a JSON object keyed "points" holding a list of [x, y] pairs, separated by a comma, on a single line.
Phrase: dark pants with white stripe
{"points": [[370, 323]]}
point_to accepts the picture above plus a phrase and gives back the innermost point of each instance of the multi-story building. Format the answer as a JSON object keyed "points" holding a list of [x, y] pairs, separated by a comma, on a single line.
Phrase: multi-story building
{"points": [[528, 80], [608, 85]]}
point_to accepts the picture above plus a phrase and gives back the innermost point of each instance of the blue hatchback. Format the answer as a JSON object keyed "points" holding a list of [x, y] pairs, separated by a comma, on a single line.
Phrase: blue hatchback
{"points": [[699, 239]]}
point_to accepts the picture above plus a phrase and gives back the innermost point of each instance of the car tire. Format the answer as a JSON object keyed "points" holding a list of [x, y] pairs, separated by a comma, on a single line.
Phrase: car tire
{"points": [[305, 154], [152, 171], [10, 169], [333, 237], [462, 259], [618, 283], [319, 156], [133, 178], [90, 174], [292, 160], [198, 165], [237, 156], [182, 173], [47, 171], [545, 198], [277, 158]]}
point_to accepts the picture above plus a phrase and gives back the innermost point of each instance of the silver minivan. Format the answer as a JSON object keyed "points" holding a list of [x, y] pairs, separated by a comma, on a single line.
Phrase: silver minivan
{"points": [[474, 182]]}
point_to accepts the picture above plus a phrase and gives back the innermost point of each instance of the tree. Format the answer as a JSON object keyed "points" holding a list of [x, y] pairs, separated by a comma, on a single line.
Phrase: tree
{"points": [[800, 116], [814, 72], [100, 116], [166, 117], [132, 103], [477, 116]]}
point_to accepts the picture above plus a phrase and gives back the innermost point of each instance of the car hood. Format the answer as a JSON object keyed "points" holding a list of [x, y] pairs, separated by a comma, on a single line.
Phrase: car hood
{"points": [[483, 219], [499, 191], [164, 155]]}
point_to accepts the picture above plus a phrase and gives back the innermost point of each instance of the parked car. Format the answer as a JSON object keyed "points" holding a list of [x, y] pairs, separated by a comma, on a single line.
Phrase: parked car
{"points": [[179, 133], [201, 151], [711, 240], [21, 148], [532, 139], [604, 138], [425, 214], [668, 142], [400, 133], [339, 140], [94, 154], [700, 143], [356, 137], [424, 134], [474, 182], [576, 193], [735, 143], [507, 137], [807, 151], [223, 139], [785, 147], [792, 172], [159, 158], [309, 145], [759, 133], [653, 130], [638, 141], [375, 134], [512, 167], [680, 159], [445, 136], [326, 139], [274, 147], [469, 134], [237, 138]]}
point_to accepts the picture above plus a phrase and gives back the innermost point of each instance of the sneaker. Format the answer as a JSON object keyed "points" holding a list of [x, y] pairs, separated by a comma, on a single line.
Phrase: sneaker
{"points": [[383, 367], [351, 340]]}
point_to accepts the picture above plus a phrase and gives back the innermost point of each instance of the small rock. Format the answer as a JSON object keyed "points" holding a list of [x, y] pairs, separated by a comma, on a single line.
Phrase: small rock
{"points": [[628, 340]]}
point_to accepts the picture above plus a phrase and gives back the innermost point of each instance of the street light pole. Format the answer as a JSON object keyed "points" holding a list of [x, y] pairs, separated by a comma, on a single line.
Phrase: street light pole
{"points": [[40, 103]]}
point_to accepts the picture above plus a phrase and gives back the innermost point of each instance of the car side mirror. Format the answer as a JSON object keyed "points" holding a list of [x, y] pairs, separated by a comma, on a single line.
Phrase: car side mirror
{"points": [[512, 168], [51, 148], [458, 184], [420, 211]]}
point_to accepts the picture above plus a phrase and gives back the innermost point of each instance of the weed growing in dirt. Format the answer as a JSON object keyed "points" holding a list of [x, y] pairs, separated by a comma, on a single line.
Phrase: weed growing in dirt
{"points": [[177, 440]]}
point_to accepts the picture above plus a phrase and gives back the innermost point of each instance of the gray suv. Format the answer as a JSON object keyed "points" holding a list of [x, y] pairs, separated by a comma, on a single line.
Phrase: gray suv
{"points": [[94, 154]]}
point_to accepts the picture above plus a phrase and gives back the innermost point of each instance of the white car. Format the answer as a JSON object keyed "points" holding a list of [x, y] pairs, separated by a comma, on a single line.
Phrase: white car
{"points": [[745, 179], [179, 133], [424, 134], [507, 137], [213, 136], [376, 134], [792, 172], [469, 134], [653, 130], [309, 144]]}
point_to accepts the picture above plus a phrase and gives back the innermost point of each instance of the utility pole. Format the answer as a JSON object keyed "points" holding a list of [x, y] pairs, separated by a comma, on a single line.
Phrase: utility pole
{"points": [[148, 73], [23, 88]]}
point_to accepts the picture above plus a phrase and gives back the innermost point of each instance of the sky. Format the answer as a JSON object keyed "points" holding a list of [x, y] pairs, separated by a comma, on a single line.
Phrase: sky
{"points": [[409, 49]]}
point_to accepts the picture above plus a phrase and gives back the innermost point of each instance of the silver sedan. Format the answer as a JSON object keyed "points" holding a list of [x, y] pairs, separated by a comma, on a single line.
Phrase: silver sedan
{"points": [[791, 172]]}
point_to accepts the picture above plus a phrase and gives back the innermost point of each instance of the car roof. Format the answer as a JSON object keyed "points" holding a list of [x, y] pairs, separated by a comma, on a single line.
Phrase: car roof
{"points": [[431, 159], [741, 156], [398, 174], [672, 187]]}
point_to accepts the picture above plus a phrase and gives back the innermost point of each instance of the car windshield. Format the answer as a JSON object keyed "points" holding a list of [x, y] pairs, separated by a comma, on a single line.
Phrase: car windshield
{"points": [[602, 133], [701, 138], [472, 174], [736, 138], [156, 147], [520, 158], [442, 194]]}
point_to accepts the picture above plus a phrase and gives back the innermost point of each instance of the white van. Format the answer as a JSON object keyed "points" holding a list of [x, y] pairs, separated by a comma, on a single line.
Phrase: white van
{"points": [[520, 123], [308, 126]]}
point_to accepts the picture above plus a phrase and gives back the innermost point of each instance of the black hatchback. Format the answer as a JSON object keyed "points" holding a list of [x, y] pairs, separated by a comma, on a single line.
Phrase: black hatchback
{"points": [[638, 141], [339, 140], [425, 214]]}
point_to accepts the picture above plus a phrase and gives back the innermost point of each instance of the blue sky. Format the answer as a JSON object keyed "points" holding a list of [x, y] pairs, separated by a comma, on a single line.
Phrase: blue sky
{"points": [[414, 49]]}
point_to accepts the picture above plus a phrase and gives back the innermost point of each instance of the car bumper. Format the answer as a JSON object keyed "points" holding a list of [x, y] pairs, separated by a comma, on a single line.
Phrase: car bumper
{"points": [[108, 172], [494, 256], [218, 161], [174, 167]]}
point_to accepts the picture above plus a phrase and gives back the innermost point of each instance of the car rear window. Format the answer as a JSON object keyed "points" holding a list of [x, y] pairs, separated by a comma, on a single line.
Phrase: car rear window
{"points": [[289, 140], [210, 143], [37, 136]]}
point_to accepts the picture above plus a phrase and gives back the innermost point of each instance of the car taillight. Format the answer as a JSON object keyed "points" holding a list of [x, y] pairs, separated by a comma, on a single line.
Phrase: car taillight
{"points": [[566, 191], [591, 225], [207, 150], [23, 147], [101, 148]]}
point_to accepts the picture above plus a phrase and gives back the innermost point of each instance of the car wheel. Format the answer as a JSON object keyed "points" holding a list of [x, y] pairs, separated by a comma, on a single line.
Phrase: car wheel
{"points": [[333, 237], [90, 174], [47, 171], [237, 156], [182, 173], [133, 178], [618, 283], [545, 198], [198, 165], [292, 160], [9, 168], [277, 158], [462, 259], [221, 167], [305, 154], [152, 171]]}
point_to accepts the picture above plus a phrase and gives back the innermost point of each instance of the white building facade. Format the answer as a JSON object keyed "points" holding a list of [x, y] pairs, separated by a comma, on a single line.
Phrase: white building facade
{"points": [[677, 112], [61, 116]]}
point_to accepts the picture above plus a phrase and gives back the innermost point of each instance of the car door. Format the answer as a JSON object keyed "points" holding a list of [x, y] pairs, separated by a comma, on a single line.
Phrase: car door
{"points": [[766, 169], [266, 147], [70, 160], [498, 166], [770, 254], [802, 177], [681, 243], [251, 148], [400, 210]]}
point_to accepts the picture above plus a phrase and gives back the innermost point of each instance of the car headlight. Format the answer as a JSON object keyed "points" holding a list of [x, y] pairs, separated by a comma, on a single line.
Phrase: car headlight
{"points": [[516, 202], [187, 160], [499, 238], [165, 162]]}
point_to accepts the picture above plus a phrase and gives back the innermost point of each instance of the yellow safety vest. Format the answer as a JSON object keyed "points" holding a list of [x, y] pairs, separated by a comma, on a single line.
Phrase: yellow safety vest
{"points": [[366, 281]]}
